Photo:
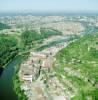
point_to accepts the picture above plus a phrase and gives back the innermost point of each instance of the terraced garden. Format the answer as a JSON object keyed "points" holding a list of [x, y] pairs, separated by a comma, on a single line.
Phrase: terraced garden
{"points": [[76, 67]]}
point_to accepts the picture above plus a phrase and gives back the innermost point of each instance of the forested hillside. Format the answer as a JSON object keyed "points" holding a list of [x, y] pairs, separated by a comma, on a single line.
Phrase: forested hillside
{"points": [[8, 49], [29, 37]]}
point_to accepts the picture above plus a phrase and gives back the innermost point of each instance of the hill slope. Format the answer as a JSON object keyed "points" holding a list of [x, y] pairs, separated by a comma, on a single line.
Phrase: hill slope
{"points": [[76, 67]]}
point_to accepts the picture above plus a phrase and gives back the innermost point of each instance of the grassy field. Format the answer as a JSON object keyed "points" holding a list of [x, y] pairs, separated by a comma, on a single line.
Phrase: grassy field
{"points": [[76, 67]]}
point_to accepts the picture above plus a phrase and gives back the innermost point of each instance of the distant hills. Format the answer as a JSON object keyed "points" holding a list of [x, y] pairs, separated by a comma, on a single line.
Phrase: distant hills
{"points": [[62, 13]]}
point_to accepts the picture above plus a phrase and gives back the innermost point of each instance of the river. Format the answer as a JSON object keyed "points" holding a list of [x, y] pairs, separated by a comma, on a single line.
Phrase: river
{"points": [[6, 81]]}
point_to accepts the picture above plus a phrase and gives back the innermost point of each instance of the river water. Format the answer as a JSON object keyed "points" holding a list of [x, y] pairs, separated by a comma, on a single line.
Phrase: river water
{"points": [[6, 81]]}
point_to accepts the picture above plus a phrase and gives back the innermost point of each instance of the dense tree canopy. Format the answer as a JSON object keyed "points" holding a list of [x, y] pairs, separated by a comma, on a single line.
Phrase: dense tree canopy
{"points": [[8, 48], [28, 37]]}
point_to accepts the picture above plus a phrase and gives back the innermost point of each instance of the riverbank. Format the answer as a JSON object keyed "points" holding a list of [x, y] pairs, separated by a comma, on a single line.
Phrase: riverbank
{"points": [[6, 81], [3, 67], [17, 85], [17, 82], [10, 61]]}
